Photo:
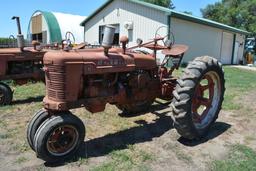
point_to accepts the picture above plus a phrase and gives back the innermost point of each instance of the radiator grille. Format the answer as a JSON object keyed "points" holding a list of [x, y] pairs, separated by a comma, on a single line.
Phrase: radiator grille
{"points": [[55, 82]]}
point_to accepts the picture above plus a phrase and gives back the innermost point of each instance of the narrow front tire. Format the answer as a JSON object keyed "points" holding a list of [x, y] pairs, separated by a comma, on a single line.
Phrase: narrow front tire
{"points": [[59, 137]]}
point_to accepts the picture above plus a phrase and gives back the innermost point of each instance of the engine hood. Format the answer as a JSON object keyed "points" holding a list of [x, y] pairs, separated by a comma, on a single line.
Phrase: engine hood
{"points": [[97, 58]]}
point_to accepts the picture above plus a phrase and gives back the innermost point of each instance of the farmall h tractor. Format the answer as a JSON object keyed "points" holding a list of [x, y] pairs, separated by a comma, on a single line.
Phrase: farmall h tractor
{"points": [[129, 79]]}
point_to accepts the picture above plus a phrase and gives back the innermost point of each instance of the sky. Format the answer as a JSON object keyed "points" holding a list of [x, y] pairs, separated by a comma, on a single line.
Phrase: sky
{"points": [[25, 8]]}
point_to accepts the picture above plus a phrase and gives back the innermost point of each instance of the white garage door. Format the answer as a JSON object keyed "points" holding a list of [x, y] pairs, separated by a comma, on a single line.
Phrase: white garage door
{"points": [[227, 48]]}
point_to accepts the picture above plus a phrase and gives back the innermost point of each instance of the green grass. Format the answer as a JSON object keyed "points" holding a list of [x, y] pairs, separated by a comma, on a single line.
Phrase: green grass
{"points": [[29, 90], [240, 158], [238, 82], [129, 159], [25, 94]]}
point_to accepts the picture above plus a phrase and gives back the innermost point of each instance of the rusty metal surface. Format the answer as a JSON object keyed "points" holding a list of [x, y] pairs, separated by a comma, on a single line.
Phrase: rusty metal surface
{"points": [[155, 46], [91, 78], [175, 50], [9, 57]]}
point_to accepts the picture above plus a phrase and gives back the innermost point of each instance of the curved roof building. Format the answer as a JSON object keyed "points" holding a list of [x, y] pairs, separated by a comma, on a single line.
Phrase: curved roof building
{"points": [[51, 27]]}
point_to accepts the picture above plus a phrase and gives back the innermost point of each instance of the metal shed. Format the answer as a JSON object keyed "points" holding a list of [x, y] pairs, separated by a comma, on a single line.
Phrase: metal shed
{"points": [[138, 19], [51, 27]]}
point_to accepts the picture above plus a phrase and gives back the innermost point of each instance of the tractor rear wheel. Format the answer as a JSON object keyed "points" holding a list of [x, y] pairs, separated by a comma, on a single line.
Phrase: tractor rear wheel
{"points": [[59, 137], [5, 94], [198, 97]]}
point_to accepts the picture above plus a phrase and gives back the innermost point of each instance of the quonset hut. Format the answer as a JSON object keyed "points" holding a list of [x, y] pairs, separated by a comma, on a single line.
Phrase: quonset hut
{"points": [[51, 27]]}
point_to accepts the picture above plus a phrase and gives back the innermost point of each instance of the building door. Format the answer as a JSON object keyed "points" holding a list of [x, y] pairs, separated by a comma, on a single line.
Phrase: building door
{"points": [[227, 48], [236, 52]]}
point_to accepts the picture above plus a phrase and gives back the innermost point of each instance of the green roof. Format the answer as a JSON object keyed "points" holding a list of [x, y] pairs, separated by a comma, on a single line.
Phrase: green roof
{"points": [[172, 13], [53, 26]]}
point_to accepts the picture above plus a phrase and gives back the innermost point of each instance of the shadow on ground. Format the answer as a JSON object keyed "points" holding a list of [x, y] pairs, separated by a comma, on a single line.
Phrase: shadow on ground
{"points": [[28, 100], [120, 140], [145, 132], [217, 129]]}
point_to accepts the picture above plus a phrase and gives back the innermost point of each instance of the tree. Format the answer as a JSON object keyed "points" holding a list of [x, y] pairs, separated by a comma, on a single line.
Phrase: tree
{"points": [[236, 13], [188, 12], [163, 3]]}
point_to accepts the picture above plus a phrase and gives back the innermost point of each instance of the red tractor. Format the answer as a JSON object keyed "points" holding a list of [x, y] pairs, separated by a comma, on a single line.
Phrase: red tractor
{"points": [[128, 78], [20, 64]]}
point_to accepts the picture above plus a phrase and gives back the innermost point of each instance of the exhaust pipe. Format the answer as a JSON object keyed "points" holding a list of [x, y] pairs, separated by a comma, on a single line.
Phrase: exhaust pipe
{"points": [[20, 37]]}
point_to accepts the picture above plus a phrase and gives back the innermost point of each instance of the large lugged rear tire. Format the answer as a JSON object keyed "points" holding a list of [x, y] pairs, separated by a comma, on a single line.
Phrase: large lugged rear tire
{"points": [[198, 97]]}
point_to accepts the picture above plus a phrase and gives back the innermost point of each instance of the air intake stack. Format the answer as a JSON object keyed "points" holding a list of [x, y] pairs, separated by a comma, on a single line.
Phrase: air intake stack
{"points": [[109, 33]]}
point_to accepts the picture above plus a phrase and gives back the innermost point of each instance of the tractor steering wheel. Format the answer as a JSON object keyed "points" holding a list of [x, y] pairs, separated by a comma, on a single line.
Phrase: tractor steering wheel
{"points": [[168, 40], [70, 38]]}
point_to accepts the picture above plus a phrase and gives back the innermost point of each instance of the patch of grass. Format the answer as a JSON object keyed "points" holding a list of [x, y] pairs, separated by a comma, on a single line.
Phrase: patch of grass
{"points": [[25, 94], [238, 82], [29, 90], [21, 160], [129, 159], [240, 158]]}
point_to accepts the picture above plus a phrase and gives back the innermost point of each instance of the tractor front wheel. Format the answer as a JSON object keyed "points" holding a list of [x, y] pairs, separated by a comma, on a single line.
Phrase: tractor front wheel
{"points": [[6, 94], [198, 97], [38, 118], [59, 137]]}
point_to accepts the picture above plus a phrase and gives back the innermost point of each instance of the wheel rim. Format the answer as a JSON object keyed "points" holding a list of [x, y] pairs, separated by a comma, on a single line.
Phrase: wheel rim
{"points": [[206, 99], [62, 140]]}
